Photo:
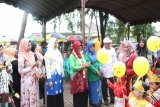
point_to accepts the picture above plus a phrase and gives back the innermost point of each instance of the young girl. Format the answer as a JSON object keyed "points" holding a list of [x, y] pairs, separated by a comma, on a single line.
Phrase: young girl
{"points": [[136, 96], [154, 84], [120, 92]]}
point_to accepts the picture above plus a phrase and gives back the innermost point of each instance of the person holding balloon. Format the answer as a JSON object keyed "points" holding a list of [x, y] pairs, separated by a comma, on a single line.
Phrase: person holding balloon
{"points": [[118, 86], [127, 55], [94, 75], [153, 44], [120, 92], [108, 54]]}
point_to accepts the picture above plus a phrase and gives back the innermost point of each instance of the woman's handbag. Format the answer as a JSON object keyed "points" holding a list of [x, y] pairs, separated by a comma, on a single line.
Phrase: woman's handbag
{"points": [[79, 84]]}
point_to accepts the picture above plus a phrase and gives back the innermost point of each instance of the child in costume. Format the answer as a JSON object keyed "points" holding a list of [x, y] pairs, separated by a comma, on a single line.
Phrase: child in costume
{"points": [[120, 92], [154, 84], [136, 97]]}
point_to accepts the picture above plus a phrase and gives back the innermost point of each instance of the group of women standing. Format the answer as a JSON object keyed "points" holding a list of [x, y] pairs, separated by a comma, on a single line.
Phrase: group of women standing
{"points": [[85, 76], [31, 68], [84, 72]]}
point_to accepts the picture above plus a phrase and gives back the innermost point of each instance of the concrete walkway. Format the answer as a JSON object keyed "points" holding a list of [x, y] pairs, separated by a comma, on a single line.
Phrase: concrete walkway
{"points": [[68, 100]]}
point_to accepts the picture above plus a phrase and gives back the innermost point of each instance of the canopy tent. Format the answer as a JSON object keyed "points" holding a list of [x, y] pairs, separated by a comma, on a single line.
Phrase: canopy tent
{"points": [[133, 11]]}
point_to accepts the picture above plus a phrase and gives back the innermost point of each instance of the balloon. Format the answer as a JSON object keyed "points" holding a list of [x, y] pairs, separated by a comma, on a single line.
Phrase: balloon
{"points": [[141, 66], [102, 56], [97, 44], [119, 69], [153, 43]]}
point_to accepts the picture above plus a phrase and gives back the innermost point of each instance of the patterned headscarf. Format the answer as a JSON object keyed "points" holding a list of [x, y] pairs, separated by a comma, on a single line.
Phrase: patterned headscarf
{"points": [[55, 55], [125, 55]]}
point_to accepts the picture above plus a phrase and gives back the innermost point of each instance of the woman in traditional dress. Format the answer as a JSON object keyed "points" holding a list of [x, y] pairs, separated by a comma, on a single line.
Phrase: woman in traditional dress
{"points": [[55, 75], [28, 71], [127, 55], [94, 75], [79, 82]]}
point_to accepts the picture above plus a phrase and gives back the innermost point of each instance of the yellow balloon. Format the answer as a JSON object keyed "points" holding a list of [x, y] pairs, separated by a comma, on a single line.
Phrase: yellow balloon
{"points": [[153, 43], [102, 56], [119, 69], [141, 66], [97, 44]]}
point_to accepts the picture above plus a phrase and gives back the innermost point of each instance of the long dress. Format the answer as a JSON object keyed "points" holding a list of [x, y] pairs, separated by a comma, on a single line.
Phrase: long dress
{"points": [[79, 85], [29, 85], [16, 81], [94, 82], [54, 93], [130, 71]]}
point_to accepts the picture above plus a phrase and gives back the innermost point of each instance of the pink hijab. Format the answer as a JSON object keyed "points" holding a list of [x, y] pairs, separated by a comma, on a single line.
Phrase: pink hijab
{"points": [[123, 55], [27, 55]]}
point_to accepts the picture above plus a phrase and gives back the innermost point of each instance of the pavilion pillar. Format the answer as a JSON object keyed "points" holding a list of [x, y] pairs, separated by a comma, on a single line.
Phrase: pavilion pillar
{"points": [[83, 2], [128, 26], [44, 29], [103, 16], [23, 27]]}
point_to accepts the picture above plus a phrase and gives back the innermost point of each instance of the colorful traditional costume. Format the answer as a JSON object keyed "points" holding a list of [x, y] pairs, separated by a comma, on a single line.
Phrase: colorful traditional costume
{"points": [[134, 101], [55, 74], [95, 92], [119, 92], [79, 82]]}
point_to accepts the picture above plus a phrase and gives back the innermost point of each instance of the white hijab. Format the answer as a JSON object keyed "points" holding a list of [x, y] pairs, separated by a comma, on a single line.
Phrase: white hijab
{"points": [[55, 55]]}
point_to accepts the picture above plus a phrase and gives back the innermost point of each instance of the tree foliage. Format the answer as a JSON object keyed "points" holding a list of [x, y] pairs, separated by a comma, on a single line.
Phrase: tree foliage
{"points": [[143, 31]]}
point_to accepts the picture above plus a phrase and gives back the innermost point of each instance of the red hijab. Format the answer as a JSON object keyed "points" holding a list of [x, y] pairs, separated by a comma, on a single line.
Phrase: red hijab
{"points": [[76, 45]]}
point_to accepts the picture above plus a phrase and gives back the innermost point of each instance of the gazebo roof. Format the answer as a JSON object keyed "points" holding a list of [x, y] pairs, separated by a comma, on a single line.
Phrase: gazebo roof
{"points": [[133, 11]]}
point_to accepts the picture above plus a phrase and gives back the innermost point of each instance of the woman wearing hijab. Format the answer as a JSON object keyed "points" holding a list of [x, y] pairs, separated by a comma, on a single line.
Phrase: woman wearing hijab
{"points": [[127, 55], [79, 82], [94, 75], [55, 75], [28, 70], [11, 53]]}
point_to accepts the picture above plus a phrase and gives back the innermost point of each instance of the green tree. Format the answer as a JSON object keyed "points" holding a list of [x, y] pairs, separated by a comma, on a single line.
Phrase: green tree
{"points": [[143, 31], [120, 31], [116, 30]]}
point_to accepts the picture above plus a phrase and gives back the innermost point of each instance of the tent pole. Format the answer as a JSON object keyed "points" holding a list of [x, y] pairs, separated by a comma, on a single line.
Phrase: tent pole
{"points": [[23, 27], [128, 26], [44, 29], [83, 2]]}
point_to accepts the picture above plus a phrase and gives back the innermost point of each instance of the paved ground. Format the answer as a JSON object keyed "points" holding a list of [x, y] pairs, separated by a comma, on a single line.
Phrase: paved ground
{"points": [[68, 102]]}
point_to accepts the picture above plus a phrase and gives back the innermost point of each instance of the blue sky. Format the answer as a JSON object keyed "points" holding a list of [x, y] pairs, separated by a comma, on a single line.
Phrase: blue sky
{"points": [[11, 19]]}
